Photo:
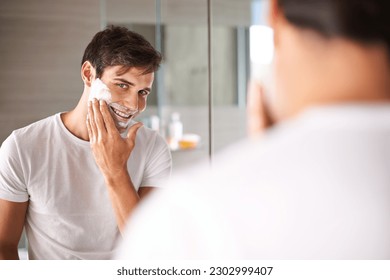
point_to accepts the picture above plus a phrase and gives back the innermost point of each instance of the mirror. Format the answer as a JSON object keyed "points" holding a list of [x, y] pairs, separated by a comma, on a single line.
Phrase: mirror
{"points": [[43, 42]]}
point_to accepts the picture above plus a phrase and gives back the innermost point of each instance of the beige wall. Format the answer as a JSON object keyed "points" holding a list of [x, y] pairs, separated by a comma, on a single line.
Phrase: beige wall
{"points": [[42, 43], [189, 12]]}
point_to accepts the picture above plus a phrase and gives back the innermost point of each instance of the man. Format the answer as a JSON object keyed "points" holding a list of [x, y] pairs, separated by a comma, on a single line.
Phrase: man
{"points": [[54, 175], [314, 186]]}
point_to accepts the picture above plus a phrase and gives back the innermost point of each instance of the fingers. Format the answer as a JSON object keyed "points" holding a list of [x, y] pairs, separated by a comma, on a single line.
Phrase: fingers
{"points": [[107, 118], [91, 126], [100, 127], [258, 115], [133, 132], [89, 129]]}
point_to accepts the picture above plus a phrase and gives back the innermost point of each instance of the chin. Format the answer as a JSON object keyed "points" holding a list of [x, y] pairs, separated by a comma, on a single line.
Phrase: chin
{"points": [[121, 129]]}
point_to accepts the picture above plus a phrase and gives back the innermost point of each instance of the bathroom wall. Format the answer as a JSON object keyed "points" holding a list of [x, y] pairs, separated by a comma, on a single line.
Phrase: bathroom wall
{"points": [[41, 46]]}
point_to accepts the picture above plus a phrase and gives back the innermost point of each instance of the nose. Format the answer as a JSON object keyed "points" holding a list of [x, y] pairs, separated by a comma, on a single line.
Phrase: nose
{"points": [[131, 101]]}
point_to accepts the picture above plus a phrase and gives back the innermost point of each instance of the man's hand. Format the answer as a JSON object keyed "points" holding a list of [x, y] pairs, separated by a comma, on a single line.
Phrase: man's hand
{"points": [[258, 115], [110, 150], [111, 153]]}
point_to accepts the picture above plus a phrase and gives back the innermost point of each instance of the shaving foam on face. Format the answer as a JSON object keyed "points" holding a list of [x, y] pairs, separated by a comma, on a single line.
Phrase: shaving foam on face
{"points": [[121, 115], [99, 91]]}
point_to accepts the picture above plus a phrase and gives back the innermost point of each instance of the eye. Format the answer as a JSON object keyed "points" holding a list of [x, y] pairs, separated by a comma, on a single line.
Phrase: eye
{"points": [[123, 86], [143, 92]]}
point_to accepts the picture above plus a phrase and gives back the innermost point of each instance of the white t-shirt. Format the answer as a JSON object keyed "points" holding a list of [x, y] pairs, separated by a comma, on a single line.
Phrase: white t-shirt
{"points": [[316, 187], [70, 215]]}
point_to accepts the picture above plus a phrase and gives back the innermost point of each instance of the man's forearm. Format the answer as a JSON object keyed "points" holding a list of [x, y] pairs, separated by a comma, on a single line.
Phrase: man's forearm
{"points": [[8, 252], [123, 195]]}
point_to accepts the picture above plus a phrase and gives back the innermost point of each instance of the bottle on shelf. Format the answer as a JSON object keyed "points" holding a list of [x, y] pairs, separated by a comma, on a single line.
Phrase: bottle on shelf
{"points": [[175, 131]]}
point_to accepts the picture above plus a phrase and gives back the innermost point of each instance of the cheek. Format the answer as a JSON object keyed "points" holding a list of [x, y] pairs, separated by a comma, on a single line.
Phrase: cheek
{"points": [[287, 68], [115, 92], [142, 103], [284, 79], [292, 76]]}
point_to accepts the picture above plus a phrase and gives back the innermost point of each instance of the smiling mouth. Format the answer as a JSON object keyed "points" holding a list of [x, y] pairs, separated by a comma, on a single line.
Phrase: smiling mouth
{"points": [[121, 114]]}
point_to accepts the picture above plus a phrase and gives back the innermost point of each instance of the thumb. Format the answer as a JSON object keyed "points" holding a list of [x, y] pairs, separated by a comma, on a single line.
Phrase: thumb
{"points": [[133, 132]]}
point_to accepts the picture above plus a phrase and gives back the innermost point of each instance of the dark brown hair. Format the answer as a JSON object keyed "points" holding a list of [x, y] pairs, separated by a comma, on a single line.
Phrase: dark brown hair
{"points": [[365, 21], [119, 46]]}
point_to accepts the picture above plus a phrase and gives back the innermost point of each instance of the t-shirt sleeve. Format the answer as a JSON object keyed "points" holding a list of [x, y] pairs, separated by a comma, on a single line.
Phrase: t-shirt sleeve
{"points": [[159, 165], [12, 181]]}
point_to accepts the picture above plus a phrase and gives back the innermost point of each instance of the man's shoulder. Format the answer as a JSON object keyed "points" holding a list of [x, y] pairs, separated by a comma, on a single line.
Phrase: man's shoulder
{"points": [[149, 136], [35, 129], [147, 132]]}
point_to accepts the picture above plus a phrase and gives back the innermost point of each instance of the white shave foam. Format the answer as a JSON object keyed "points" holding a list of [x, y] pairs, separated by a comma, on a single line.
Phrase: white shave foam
{"points": [[100, 91]]}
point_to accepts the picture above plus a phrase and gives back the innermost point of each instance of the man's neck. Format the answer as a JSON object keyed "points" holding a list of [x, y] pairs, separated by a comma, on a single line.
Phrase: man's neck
{"points": [[75, 120]]}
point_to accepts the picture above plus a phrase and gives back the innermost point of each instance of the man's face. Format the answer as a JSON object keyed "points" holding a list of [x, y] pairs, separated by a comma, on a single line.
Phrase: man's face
{"points": [[129, 90]]}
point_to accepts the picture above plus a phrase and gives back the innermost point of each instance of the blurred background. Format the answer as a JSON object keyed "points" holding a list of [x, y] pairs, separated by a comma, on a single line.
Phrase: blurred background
{"points": [[199, 92]]}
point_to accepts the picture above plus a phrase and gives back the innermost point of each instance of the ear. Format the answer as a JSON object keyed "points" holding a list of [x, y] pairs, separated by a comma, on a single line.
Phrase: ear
{"points": [[274, 18], [88, 73]]}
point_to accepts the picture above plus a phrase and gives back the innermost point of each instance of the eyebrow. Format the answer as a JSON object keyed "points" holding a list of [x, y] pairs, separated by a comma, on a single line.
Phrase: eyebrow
{"points": [[130, 83]]}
